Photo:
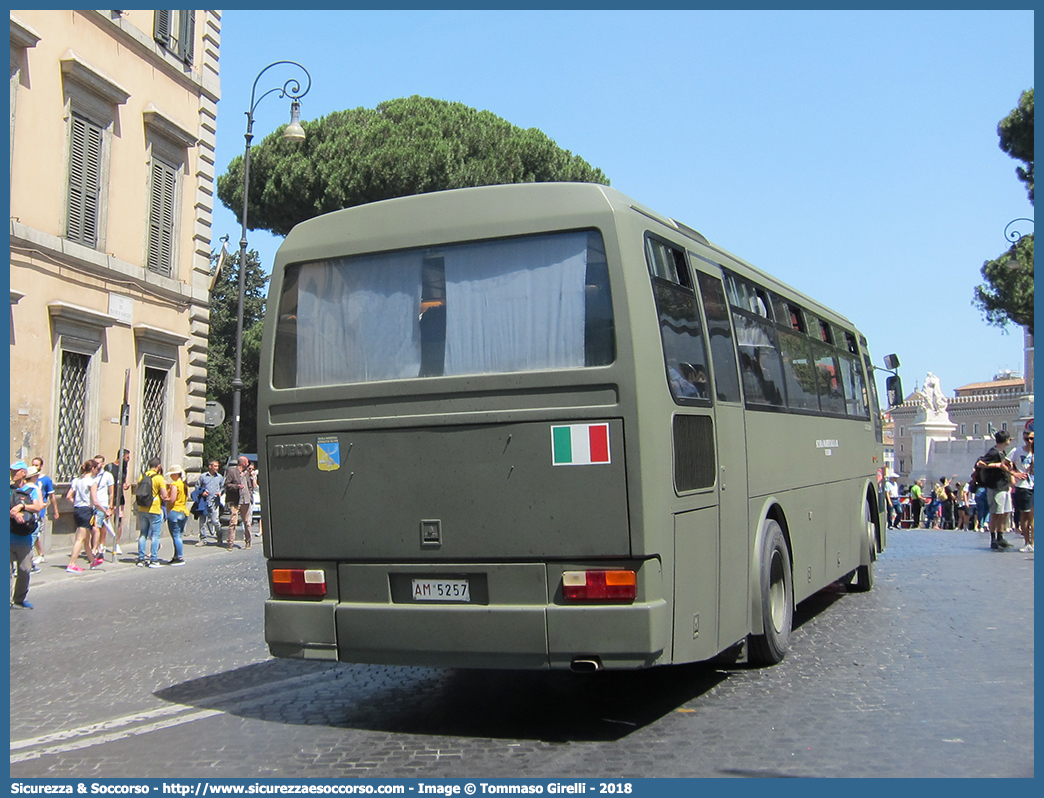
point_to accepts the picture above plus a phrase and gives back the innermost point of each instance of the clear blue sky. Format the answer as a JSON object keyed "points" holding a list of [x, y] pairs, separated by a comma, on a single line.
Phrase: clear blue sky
{"points": [[852, 154]]}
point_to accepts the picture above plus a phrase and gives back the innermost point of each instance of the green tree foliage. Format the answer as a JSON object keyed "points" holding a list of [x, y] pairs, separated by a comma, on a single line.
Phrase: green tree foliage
{"points": [[412, 145], [1016, 138], [221, 354], [1007, 294]]}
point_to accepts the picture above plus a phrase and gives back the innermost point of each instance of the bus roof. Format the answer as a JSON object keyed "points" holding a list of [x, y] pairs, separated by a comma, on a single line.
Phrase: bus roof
{"points": [[492, 211]]}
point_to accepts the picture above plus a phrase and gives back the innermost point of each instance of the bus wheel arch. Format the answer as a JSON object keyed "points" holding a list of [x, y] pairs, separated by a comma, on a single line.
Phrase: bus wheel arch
{"points": [[870, 545], [774, 600]]}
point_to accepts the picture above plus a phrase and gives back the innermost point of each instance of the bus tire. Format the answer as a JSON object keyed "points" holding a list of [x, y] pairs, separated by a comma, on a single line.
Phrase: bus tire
{"points": [[777, 599], [864, 574]]}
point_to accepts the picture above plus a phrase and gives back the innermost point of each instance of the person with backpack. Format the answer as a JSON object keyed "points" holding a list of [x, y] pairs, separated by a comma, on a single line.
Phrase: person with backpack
{"points": [[26, 504], [944, 494], [150, 495], [936, 494], [995, 471]]}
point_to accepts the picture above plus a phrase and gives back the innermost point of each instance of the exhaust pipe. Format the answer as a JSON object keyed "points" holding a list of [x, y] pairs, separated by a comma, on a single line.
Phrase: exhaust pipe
{"points": [[585, 665]]}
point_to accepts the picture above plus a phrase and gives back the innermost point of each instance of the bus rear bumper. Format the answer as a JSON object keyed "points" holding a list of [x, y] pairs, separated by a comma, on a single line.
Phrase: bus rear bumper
{"points": [[490, 636], [300, 629]]}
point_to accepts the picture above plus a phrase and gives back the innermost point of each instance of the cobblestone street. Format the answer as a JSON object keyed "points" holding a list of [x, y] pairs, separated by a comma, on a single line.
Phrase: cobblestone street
{"points": [[164, 673]]}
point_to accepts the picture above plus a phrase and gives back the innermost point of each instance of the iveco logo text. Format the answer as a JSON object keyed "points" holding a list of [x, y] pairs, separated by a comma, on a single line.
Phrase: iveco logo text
{"points": [[293, 450]]}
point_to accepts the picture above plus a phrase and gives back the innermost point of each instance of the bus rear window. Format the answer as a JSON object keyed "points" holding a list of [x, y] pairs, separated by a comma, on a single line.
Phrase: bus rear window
{"points": [[508, 305]]}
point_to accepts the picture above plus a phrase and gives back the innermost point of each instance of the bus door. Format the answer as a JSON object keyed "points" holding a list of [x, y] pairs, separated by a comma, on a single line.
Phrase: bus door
{"points": [[734, 543]]}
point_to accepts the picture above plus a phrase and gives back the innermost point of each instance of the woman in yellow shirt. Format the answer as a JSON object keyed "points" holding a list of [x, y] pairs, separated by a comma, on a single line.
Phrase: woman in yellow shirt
{"points": [[177, 511]]}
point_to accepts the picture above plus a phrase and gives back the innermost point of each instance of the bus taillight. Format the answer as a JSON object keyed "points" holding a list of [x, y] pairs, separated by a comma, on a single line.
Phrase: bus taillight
{"points": [[599, 585], [294, 582]]}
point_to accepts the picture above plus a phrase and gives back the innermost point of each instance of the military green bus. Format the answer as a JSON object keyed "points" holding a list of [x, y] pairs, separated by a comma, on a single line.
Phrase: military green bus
{"points": [[543, 426]]}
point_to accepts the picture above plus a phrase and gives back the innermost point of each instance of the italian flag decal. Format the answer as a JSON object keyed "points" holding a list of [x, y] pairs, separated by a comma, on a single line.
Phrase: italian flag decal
{"points": [[580, 444]]}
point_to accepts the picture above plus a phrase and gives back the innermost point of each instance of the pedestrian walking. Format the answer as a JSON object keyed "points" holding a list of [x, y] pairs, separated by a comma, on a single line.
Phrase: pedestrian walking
{"points": [[120, 470], [212, 484], [106, 488], [1023, 461], [26, 504], [254, 491], [177, 511], [32, 477], [237, 491], [83, 494], [150, 515], [996, 472], [49, 495], [892, 491]]}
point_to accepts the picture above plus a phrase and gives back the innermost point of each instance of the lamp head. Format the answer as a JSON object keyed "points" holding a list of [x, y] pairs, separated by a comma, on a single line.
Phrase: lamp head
{"points": [[294, 131]]}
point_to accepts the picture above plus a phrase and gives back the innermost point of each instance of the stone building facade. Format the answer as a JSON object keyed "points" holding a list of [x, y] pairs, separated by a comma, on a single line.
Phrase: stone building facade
{"points": [[949, 443], [113, 122]]}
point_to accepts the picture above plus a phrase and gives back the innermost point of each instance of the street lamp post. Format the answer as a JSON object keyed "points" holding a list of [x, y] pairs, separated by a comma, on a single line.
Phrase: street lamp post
{"points": [[293, 132], [1011, 233]]}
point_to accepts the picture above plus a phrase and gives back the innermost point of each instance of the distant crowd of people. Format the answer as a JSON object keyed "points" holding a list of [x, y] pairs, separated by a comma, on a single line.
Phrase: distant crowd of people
{"points": [[99, 507], [997, 497]]}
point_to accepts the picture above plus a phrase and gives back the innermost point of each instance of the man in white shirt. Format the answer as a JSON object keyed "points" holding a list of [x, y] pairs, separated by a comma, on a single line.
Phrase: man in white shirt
{"points": [[892, 491]]}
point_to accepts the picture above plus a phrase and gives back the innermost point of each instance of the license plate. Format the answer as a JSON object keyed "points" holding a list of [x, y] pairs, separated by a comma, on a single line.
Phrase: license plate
{"points": [[441, 590]]}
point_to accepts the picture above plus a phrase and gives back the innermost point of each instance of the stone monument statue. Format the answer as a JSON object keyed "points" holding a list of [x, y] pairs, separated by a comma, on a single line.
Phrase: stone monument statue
{"points": [[931, 398], [932, 423]]}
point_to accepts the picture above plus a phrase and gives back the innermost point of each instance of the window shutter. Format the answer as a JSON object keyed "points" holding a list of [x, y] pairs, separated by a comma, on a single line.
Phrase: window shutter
{"points": [[162, 31], [84, 181], [187, 37], [161, 217]]}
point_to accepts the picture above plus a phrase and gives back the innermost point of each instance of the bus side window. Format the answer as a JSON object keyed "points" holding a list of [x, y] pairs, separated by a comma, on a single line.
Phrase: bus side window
{"points": [[850, 343], [681, 332], [719, 333], [761, 303], [800, 372], [871, 394], [825, 333], [855, 391], [667, 263], [759, 360], [796, 318], [828, 378]]}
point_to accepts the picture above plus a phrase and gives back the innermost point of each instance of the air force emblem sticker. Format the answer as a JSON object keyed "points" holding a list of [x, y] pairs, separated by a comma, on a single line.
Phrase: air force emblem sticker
{"points": [[328, 452]]}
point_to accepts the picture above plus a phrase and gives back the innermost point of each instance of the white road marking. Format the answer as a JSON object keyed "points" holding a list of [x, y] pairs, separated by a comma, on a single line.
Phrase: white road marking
{"points": [[95, 728], [95, 739], [105, 731]]}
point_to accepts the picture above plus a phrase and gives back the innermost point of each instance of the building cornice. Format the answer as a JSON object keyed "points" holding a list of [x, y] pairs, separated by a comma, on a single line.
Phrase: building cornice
{"points": [[21, 34], [160, 336], [78, 313], [76, 68], [151, 50], [167, 126], [106, 267]]}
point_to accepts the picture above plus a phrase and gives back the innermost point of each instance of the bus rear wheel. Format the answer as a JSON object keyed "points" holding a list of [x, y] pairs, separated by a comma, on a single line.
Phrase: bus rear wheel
{"points": [[864, 574], [777, 599]]}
